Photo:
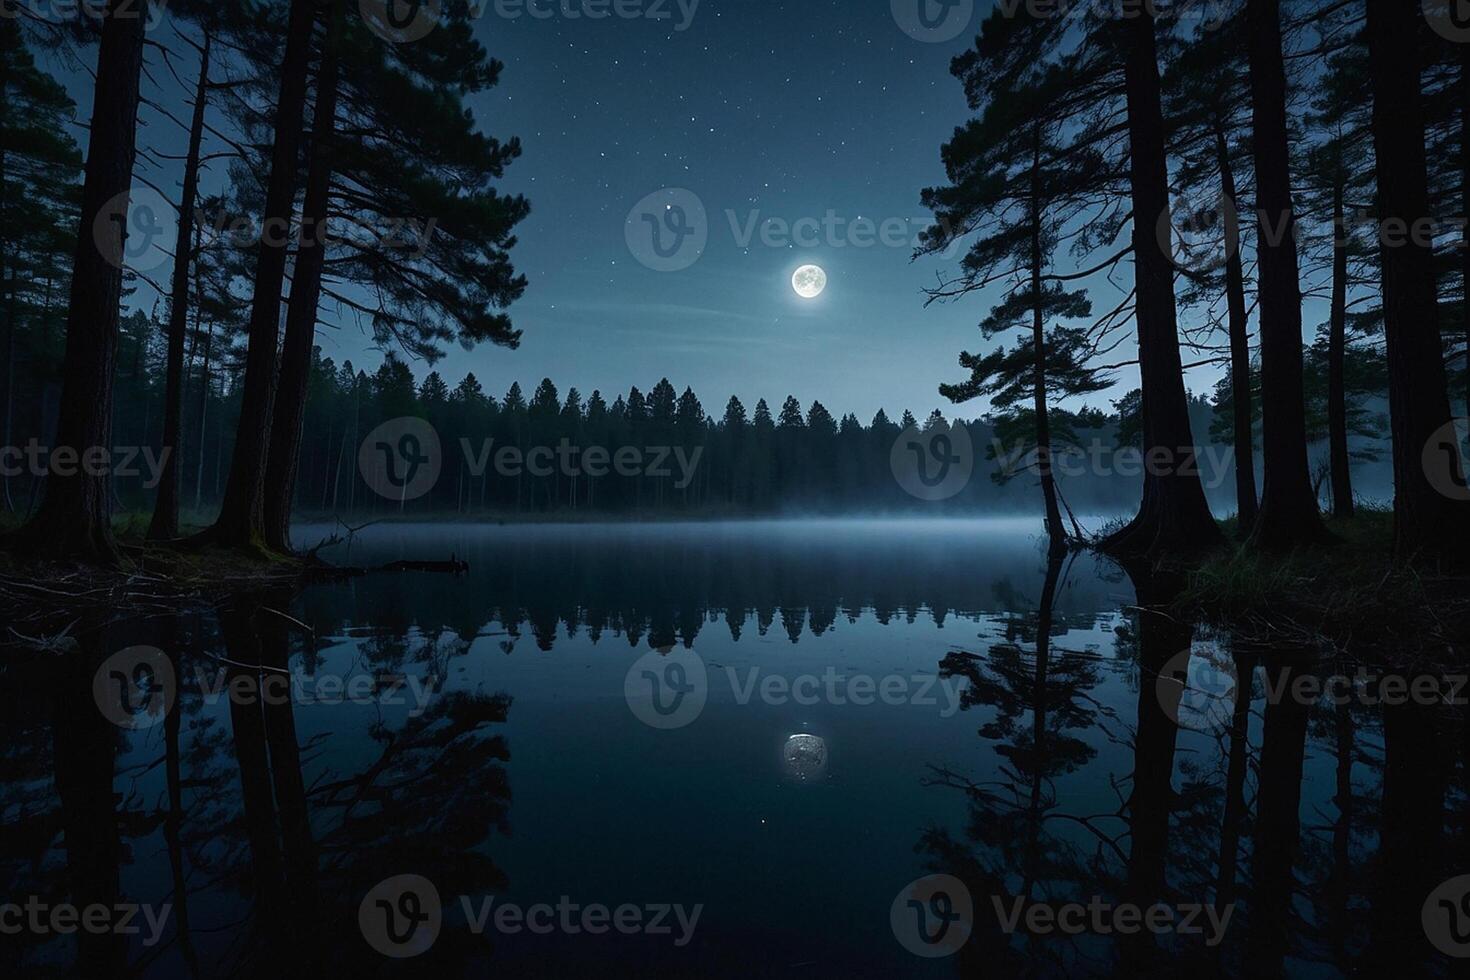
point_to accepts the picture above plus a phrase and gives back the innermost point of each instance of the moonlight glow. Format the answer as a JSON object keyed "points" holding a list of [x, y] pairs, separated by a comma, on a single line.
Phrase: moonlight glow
{"points": [[809, 281]]}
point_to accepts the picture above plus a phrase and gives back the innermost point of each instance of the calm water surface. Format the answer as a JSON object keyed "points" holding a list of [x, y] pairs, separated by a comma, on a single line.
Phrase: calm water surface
{"points": [[779, 725]]}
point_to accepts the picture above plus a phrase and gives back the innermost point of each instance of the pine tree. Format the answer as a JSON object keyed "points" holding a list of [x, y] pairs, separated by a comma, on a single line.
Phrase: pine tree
{"points": [[241, 520], [1206, 95], [1427, 524], [74, 520], [1288, 515], [39, 198], [1014, 187]]}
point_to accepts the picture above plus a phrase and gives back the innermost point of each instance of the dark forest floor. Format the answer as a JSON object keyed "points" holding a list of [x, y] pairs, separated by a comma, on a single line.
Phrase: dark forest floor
{"points": [[1349, 593]]}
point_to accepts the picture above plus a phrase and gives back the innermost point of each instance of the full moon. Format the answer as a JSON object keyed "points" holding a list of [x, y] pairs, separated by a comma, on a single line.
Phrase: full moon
{"points": [[809, 281]]}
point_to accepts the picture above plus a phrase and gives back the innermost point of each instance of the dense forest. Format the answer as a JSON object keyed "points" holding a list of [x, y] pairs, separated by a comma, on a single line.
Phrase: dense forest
{"points": [[1235, 167], [794, 459]]}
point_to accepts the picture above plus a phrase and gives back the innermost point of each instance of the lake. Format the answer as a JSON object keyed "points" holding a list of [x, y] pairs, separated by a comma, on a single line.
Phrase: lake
{"points": [[807, 748]]}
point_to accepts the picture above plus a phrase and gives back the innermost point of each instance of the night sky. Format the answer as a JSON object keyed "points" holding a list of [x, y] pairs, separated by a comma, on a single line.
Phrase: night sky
{"points": [[824, 110], [790, 109]]}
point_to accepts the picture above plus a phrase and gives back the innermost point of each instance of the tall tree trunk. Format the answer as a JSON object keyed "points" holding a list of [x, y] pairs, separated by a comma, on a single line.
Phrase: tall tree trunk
{"points": [[203, 418], [298, 851], [1342, 479], [85, 759], [1054, 527], [1174, 516], [11, 284], [74, 520], [1240, 345], [10, 315], [173, 824], [1465, 204], [165, 524], [1288, 514], [1233, 821], [284, 457], [1340, 882], [1427, 523], [1277, 825], [1412, 845], [241, 521], [1155, 741]]}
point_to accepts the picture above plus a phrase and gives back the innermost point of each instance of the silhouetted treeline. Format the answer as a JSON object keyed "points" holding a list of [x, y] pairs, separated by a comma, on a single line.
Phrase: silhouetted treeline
{"points": [[741, 460]]}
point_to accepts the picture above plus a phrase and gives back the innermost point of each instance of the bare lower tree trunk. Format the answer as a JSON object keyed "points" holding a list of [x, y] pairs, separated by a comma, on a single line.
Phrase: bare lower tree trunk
{"points": [[1465, 203], [1342, 479], [203, 418], [1277, 826], [84, 765], [165, 524], [241, 521], [1289, 514], [1427, 523], [1240, 346], [74, 520], [1054, 528], [284, 457], [1174, 516], [10, 316]]}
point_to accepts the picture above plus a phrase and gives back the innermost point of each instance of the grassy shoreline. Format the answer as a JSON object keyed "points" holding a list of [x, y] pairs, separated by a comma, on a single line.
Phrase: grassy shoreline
{"points": [[1348, 592]]}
